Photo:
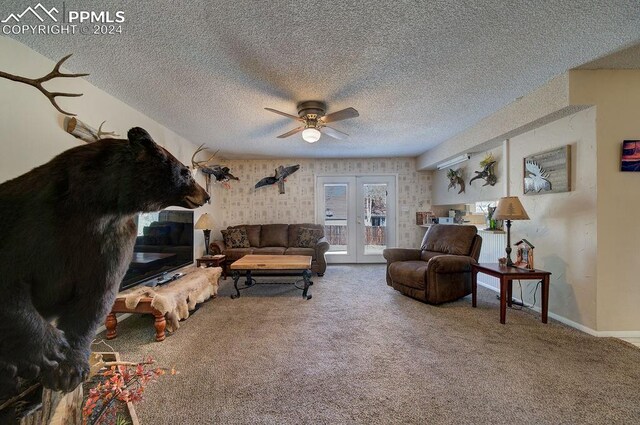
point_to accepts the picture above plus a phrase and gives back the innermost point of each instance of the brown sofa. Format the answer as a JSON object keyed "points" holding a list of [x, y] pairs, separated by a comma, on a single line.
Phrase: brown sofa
{"points": [[275, 239], [440, 270]]}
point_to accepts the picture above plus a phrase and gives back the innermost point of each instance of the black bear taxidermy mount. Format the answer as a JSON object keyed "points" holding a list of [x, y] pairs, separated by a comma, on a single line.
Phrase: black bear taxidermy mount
{"points": [[68, 232]]}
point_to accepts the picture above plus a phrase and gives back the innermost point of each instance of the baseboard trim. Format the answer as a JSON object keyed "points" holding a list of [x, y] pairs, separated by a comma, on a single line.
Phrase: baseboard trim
{"points": [[575, 325]]}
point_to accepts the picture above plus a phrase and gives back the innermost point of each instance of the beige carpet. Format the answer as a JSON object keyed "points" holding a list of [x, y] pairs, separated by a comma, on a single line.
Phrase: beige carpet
{"points": [[360, 352]]}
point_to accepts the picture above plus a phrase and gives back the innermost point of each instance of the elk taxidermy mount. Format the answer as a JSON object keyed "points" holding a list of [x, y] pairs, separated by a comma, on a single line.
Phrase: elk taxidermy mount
{"points": [[221, 174], [279, 177], [85, 132], [313, 119], [37, 83]]}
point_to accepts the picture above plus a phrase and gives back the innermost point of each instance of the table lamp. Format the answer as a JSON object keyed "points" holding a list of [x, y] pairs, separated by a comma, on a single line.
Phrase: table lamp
{"points": [[509, 208], [205, 223]]}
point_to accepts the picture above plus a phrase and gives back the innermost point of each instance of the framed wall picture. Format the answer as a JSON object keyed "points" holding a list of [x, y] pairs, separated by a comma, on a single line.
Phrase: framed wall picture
{"points": [[630, 160], [547, 172]]}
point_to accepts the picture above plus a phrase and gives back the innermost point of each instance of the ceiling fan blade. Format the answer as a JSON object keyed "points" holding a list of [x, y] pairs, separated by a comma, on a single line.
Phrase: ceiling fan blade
{"points": [[291, 133], [336, 134], [284, 114], [343, 114]]}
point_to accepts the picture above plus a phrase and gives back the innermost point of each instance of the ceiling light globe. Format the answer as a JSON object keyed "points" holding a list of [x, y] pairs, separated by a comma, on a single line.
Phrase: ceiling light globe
{"points": [[311, 135]]}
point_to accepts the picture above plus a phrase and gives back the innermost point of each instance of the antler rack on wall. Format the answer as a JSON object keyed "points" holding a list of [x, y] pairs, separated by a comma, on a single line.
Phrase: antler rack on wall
{"points": [[37, 83]]}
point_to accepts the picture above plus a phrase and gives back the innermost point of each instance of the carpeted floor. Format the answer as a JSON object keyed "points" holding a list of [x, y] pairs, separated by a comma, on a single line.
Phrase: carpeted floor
{"points": [[360, 352]]}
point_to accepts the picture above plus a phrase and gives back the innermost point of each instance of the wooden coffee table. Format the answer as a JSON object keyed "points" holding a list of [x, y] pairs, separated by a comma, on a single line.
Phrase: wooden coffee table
{"points": [[284, 263]]}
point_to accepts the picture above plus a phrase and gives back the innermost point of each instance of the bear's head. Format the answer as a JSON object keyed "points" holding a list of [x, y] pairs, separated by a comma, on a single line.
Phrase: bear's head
{"points": [[161, 180]]}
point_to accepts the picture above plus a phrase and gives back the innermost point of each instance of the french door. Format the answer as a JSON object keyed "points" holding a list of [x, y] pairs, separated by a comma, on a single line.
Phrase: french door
{"points": [[359, 216]]}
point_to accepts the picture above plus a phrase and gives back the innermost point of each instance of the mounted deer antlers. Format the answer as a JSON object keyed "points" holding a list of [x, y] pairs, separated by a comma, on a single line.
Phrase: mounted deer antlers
{"points": [[37, 83], [221, 174], [84, 131], [201, 164]]}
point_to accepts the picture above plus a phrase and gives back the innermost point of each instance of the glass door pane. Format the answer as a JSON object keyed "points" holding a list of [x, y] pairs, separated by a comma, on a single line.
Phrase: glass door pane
{"points": [[335, 216], [336, 211], [375, 217]]}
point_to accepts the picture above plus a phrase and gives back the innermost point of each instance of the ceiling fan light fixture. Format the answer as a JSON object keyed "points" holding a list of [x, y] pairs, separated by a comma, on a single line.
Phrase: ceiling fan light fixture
{"points": [[311, 135]]}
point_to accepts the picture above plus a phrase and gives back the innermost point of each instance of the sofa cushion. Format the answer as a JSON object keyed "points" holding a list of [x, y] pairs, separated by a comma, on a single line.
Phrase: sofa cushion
{"points": [[253, 232], [301, 251], [307, 237], [269, 250], [274, 235], [449, 239], [236, 238], [293, 231], [409, 273], [234, 254]]}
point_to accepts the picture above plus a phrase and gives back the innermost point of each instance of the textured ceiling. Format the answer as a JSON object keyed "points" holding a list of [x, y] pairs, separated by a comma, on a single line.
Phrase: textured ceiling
{"points": [[418, 72]]}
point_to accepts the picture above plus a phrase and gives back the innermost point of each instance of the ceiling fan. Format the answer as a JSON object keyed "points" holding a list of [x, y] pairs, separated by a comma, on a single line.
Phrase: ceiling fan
{"points": [[311, 115]]}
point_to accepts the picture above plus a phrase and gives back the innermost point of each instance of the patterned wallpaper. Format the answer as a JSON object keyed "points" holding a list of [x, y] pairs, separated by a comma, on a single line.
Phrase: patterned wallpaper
{"points": [[242, 204]]}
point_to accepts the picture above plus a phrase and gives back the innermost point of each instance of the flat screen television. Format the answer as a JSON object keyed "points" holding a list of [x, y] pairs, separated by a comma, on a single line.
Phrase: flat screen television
{"points": [[164, 243]]}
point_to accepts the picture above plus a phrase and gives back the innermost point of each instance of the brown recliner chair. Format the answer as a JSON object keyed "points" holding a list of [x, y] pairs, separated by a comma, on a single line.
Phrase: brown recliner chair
{"points": [[440, 270]]}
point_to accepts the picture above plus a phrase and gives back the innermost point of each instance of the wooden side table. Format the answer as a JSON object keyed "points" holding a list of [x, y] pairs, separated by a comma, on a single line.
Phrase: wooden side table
{"points": [[213, 261], [506, 276]]}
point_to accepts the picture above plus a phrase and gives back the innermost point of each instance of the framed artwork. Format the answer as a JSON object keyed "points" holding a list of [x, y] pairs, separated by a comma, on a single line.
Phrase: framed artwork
{"points": [[547, 172], [630, 160]]}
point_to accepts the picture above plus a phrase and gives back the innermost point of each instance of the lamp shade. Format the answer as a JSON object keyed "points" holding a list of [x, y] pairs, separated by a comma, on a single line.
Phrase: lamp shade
{"points": [[205, 222], [510, 208], [311, 135]]}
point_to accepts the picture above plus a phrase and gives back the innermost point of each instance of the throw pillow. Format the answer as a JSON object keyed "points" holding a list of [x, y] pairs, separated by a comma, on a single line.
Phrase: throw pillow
{"points": [[236, 238], [308, 238]]}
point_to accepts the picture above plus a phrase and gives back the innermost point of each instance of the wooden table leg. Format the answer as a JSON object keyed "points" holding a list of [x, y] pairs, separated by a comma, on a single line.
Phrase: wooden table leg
{"points": [[545, 298], [474, 288], [111, 323], [509, 292], [503, 299], [160, 325]]}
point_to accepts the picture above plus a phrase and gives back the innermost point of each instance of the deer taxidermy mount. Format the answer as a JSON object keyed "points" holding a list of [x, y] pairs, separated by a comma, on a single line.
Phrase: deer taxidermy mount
{"points": [[37, 83], [85, 132], [280, 177], [221, 174], [455, 179]]}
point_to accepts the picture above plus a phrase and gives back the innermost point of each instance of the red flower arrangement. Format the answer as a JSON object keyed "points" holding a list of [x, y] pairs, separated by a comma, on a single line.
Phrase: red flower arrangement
{"points": [[114, 385]]}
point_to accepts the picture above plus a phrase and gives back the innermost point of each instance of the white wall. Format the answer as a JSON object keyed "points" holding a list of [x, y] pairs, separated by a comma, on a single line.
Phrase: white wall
{"points": [[563, 225], [242, 204], [617, 96], [31, 129]]}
